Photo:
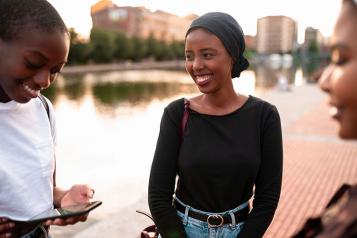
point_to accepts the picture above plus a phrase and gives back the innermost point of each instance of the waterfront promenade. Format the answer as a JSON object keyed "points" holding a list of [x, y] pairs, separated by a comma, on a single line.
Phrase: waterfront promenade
{"points": [[316, 163]]}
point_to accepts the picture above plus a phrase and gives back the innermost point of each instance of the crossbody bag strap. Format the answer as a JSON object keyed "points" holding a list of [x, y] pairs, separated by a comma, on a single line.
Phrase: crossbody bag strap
{"points": [[45, 104], [185, 117]]}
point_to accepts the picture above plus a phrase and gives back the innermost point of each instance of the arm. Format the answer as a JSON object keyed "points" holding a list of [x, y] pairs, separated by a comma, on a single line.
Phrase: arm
{"points": [[268, 181], [162, 178], [61, 198]]}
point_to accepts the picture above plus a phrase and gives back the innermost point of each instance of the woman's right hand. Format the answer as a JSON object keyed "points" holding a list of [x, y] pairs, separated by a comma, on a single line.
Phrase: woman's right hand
{"points": [[5, 227]]}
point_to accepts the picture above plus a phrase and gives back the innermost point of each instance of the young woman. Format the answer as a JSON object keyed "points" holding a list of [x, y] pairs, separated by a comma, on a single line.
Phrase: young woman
{"points": [[34, 44], [339, 80], [227, 153]]}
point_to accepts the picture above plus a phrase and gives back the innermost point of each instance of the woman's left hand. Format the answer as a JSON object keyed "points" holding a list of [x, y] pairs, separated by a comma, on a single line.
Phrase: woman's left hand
{"points": [[78, 194]]}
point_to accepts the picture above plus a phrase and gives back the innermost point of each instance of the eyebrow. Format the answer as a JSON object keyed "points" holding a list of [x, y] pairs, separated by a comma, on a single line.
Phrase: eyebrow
{"points": [[45, 58], [204, 49]]}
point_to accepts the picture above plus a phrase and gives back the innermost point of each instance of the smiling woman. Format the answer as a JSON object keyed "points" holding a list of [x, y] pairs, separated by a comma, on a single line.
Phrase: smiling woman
{"points": [[339, 81], [228, 144], [34, 44]]}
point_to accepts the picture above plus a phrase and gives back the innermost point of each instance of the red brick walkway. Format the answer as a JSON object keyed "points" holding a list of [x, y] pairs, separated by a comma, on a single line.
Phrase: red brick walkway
{"points": [[316, 163]]}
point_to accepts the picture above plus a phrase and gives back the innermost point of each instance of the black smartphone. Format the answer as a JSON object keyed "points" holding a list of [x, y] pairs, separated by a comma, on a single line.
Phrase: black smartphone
{"points": [[65, 212]]}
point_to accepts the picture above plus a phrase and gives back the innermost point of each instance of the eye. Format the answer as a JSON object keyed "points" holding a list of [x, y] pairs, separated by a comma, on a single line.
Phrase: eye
{"points": [[32, 66], [188, 57], [337, 57], [57, 69]]}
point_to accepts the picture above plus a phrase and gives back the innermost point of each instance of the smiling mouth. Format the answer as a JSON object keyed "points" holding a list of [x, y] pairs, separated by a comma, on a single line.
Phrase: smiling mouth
{"points": [[34, 93], [203, 79], [335, 112]]}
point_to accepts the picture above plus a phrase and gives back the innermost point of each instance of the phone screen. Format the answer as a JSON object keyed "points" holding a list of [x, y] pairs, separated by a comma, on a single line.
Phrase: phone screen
{"points": [[65, 212]]}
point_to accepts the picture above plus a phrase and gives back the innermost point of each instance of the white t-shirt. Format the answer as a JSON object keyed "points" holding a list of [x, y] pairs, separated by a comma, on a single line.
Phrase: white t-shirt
{"points": [[26, 159]]}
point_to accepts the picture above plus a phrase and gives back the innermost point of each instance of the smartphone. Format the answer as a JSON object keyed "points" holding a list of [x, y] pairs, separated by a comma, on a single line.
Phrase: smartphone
{"points": [[64, 212]]}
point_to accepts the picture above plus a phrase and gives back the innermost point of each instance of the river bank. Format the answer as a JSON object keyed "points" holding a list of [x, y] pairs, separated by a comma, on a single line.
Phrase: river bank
{"points": [[96, 68]]}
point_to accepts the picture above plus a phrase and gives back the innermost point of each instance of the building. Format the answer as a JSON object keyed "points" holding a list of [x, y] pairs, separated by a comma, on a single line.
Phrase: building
{"points": [[276, 35], [140, 21], [313, 37], [250, 42]]}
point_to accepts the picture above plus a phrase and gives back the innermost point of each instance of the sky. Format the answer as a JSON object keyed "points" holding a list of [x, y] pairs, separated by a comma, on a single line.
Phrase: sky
{"points": [[319, 14]]}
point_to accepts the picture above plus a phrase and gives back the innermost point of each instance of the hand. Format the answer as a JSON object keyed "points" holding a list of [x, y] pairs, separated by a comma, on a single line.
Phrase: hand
{"points": [[5, 227], [78, 194]]}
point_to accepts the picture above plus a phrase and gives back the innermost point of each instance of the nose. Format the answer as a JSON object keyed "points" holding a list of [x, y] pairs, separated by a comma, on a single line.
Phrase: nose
{"points": [[43, 79], [325, 79], [197, 63]]}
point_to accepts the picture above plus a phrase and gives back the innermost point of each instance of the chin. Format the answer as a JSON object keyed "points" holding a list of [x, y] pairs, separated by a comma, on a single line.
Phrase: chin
{"points": [[347, 134], [22, 100]]}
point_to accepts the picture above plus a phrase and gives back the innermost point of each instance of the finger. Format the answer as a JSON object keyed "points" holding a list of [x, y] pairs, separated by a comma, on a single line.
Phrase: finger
{"points": [[87, 191], [6, 235], [48, 223], [3, 220], [91, 193], [6, 226]]}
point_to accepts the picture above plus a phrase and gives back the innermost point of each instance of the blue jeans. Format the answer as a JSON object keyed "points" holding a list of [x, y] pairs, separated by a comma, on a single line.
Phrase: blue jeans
{"points": [[199, 229]]}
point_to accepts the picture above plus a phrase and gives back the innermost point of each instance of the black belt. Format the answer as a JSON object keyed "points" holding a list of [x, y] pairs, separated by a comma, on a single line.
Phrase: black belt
{"points": [[215, 220]]}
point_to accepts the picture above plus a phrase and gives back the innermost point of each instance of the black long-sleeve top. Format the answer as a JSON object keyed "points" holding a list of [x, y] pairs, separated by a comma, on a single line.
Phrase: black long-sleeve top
{"points": [[219, 162]]}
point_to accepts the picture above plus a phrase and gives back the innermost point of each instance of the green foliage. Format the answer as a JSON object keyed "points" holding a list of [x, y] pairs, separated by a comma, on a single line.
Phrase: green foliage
{"points": [[108, 46], [249, 54], [123, 47], [140, 49], [102, 45], [79, 50]]}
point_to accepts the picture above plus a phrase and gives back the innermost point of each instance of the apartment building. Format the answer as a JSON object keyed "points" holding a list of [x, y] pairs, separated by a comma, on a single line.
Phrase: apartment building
{"points": [[276, 35], [140, 21]]}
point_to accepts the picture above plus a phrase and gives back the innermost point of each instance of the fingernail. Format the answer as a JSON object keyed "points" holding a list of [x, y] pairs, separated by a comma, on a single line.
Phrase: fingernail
{"points": [[91, 193], [8, 234]]}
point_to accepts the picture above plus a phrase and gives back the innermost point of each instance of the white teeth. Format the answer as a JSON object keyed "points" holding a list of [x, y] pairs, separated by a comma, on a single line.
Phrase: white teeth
{"points": [[202, 78], [333, 111], [31, 91]]}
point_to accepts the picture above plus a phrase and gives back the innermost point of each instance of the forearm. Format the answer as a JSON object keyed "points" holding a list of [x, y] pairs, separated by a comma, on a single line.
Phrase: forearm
{"points": [[58, 194], [268, 181], [162, 181]]}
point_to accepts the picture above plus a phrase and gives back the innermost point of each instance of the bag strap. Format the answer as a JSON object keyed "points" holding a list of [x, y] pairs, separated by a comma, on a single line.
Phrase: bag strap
{"points": [[45, 104], [153, 228], [185, 116], [149, 229]]}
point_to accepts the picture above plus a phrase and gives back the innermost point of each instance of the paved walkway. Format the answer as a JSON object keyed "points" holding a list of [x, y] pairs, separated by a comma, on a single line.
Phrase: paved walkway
{"points": [[316, 163]]}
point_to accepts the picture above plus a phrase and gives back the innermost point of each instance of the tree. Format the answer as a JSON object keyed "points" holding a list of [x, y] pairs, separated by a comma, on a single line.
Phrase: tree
{"points": [[102, 45], [79, 50]]}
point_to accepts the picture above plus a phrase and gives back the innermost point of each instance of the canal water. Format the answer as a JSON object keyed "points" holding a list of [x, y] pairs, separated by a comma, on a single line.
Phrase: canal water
{"points": [[108, 124]]}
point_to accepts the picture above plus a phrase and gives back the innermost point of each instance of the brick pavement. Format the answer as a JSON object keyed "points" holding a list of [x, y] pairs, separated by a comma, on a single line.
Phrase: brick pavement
{"points": [[316, 163]]}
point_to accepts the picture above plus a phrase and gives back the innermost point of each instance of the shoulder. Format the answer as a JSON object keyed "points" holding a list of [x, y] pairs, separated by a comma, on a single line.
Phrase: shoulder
{"points": [[262, 105], [45, 103], [175, 107]]}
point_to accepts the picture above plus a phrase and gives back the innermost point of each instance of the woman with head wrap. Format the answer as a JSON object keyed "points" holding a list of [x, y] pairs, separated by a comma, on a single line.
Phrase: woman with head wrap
{"points": [[225, 147]]}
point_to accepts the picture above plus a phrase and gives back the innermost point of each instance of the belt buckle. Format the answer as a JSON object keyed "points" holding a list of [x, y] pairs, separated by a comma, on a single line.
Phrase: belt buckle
{"points": [[211, 218]]}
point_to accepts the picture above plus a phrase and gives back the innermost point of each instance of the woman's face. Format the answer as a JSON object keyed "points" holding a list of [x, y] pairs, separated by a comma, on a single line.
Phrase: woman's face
{"points": [[207, 61], [339, 79], [30, 64]]}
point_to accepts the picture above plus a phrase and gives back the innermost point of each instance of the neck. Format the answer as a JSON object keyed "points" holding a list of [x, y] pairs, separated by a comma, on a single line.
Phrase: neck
{"points": [[3, 96]]}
